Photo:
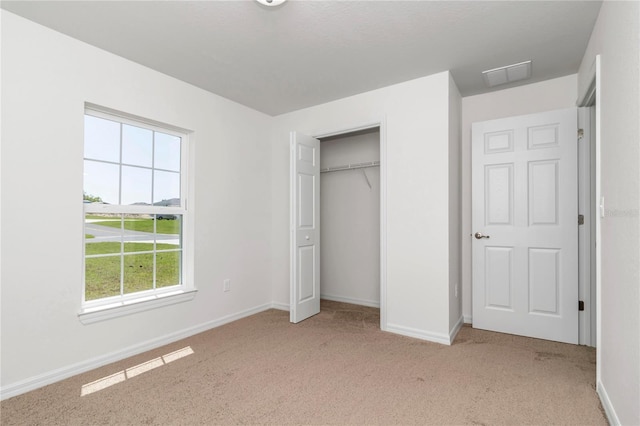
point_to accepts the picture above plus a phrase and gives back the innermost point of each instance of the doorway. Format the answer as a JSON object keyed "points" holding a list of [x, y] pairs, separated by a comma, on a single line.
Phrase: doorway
{"points": [[350, 218], [305, 265]]}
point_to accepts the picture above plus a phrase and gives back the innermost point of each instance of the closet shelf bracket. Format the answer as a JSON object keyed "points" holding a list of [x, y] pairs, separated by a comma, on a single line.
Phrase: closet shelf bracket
{"points": [[364, 172]]}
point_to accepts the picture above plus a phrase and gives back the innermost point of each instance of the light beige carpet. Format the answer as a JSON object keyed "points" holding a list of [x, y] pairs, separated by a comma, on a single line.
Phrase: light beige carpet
{"points": [[334, 368]]}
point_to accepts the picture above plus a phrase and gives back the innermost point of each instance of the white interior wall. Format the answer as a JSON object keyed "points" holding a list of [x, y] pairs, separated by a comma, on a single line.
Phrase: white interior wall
{"points": [[616, 37], [350, 220], [46, 79], [538, 97], [416, 116]]}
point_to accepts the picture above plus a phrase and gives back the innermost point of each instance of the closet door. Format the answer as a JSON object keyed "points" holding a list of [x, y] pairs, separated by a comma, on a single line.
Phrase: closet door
{"points": [[305, 227]]}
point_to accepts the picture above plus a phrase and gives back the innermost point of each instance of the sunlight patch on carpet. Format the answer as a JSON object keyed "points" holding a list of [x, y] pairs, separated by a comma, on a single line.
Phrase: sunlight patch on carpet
{"points": [[134, 371]]}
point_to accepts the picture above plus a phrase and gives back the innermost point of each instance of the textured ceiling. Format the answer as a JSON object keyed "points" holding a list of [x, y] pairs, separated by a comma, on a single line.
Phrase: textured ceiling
{"points": [[304, 53]]}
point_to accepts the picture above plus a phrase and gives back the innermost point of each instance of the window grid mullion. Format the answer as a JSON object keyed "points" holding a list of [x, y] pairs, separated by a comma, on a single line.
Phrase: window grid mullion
{"points": [[138, 166], [95, 256], [153, 199], [121, 254], [120, 169], [180, 256], [122, 214]]}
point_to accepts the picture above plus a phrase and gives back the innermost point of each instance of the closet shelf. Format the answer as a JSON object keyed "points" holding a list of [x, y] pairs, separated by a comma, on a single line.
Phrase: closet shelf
{"points": [[351, 166]]}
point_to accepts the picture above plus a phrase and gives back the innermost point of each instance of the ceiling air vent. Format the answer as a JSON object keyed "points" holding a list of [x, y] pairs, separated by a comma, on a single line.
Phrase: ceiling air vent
{"points": [[507, 74]]}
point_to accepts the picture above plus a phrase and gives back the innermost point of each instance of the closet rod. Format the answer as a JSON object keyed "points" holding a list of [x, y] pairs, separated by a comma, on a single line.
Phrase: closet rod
{"points": [[351, 166]]}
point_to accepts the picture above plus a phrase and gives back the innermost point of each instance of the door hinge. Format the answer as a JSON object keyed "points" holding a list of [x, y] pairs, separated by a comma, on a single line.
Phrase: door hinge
{"points": [[581, 305], [580, 219], [580, 134]]}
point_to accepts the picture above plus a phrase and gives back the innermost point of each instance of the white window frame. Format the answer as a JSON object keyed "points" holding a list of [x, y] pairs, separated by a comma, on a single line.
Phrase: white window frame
{"points": [[124, 304]]}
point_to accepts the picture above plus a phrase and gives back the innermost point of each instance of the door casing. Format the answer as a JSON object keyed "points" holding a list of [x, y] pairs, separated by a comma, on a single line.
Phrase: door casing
{"points": [[590, 96], [587, 208]]}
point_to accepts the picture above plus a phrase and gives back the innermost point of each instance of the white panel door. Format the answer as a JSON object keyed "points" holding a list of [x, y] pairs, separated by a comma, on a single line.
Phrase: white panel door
{"points": [[525, 224], [305, 227]]}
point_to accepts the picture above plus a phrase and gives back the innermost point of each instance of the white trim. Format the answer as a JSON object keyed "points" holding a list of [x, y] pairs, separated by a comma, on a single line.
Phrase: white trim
{"points": [[292, 241], [456, 328], [612, 417], [383, 223], [590, 96], [99, 111], [593, 207], [361, 302], [441, 338], [62, 373], [280, 306], [90, 315], [584, 231], [585, 98], [468, 319], [90, 208], [350, 129], [598, 237]]}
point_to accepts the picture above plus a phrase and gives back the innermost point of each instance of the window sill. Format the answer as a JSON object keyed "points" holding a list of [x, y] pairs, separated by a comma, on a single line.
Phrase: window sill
{"points": [[120, 309]]}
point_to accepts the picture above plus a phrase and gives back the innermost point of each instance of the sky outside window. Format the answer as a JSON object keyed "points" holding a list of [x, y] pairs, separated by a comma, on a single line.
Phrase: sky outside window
{"points": [[167, 186], [103, 180], [137, 146], [101, 139], [167, 149], [141, 153], [136, 185]]}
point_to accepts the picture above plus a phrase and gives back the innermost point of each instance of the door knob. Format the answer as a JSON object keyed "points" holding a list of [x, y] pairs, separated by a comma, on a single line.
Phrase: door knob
{"points": [[306, 237], [479, 235]]}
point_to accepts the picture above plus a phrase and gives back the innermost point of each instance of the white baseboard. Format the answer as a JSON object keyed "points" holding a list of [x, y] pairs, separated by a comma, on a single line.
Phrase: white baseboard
{"points": [[612, 417], [456, 328], [361, 302], [427, 335], [56, 375], [441, 338], [468, 319], [280, 306]]}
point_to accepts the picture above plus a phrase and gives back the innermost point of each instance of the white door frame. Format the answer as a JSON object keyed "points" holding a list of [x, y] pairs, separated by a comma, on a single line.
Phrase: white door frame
{"points": [[586, 207], [591, 96], [381, 124]]}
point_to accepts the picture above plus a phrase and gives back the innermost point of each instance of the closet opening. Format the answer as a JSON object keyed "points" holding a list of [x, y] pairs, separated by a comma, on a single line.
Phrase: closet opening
{"points": [[350, 196]]}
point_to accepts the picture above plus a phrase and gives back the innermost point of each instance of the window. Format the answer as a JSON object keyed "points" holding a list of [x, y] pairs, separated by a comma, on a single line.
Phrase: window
{"points": [[134, 210]]}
